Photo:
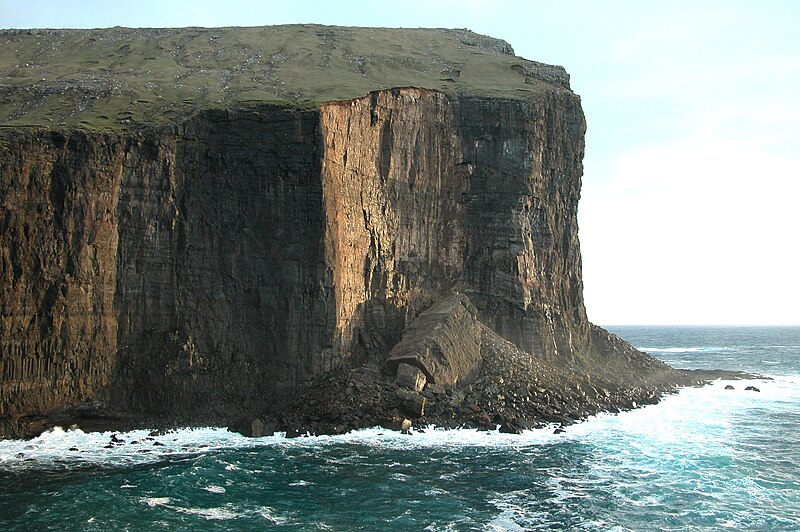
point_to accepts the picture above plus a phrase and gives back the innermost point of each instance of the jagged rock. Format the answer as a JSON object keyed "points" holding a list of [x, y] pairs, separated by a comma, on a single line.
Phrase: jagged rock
{"points": [[434, 389], [456, 398], [444, 342], [412, 403], [510, 428], [410, 377], [260, 429], [293, 433]]}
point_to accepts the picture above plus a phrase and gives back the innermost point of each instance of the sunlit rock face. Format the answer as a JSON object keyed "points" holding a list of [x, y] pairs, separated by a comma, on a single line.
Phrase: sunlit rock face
{"points": [[212, 262], [427, 194]]}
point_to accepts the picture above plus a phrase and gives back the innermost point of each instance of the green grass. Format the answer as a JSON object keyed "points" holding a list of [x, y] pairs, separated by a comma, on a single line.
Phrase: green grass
{"points": [[121, 77]]}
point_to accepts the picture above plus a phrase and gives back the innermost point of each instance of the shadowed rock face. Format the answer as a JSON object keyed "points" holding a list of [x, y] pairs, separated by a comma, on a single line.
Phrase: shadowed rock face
{"points": [[213, 266]]}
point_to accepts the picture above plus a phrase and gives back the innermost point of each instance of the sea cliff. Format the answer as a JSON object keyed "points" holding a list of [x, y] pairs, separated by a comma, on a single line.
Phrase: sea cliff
{"points": [[298, 227]]}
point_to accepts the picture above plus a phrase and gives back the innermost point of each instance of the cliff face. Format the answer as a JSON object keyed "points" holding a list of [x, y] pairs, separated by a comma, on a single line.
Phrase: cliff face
{"points": [[220, 265], [427, 194], [213, 266], [60, 240]]}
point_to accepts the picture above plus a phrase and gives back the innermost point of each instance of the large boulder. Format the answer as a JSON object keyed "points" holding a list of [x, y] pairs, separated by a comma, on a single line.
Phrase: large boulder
{"points": [[410, 377], [444, 342]]}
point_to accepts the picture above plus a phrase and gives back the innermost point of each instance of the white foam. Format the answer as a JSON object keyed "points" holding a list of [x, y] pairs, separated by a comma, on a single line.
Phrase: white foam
{"points": [[226, 512], [152, 502], [712, 408], [269, 514], [680, 349], [60, 449], [509, 512], [58, 446], [695, 422], [211, 514]]}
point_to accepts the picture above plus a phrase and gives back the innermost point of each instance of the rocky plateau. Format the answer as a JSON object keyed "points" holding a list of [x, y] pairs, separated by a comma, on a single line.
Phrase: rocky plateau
{"points": [[297, 228]]}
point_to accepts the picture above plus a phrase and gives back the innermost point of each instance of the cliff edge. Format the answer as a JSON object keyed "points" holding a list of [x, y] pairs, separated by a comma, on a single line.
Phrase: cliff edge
{"points": [[209, 225]]}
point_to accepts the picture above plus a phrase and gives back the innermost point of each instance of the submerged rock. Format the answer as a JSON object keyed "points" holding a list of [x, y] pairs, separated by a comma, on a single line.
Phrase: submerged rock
{"points": [[510, 428]]}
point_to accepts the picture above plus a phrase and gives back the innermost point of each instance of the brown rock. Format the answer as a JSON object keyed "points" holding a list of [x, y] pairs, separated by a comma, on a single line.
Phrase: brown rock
{"points": [[412, 403], [257, 428], [410, 376], [444, 342]]}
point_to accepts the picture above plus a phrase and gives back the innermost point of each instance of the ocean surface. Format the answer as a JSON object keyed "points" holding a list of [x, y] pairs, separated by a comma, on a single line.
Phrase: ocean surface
{"points": [[703, 459]]}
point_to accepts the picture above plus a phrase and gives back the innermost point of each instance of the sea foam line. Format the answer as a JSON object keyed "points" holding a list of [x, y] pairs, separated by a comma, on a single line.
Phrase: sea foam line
{"points": [[63, 449]]}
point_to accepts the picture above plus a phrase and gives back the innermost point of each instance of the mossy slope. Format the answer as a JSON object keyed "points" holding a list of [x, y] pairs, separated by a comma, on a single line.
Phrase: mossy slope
{"points": [[122, 77]]}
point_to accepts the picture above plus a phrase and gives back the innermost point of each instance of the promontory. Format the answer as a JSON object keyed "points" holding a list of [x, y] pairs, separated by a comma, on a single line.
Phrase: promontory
{"points": [[301, 228]]}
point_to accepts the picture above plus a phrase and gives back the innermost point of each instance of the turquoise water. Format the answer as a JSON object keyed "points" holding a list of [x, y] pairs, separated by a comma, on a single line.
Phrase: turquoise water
{"points": [[705, 458]]}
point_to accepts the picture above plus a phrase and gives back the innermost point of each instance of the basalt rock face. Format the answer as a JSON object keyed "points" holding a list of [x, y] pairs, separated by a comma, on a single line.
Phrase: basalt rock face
{"points": [[428, 194], [171, 272], [214, 266]]}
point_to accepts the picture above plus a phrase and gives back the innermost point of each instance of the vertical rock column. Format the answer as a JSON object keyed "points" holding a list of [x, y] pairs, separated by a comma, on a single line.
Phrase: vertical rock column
{"points": [[427, 194], [59, 240], [523, 266], [224, 293], [395, 219]]}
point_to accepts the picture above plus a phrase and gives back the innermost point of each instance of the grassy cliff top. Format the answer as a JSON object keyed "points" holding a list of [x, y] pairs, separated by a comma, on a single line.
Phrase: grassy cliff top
{"points": [[125, 77]]}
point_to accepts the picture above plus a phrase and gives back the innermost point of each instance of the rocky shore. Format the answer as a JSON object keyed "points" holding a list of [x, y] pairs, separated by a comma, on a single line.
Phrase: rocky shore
{"points": [[505, 397], [510, 391], [493, 402], [513, 391]]}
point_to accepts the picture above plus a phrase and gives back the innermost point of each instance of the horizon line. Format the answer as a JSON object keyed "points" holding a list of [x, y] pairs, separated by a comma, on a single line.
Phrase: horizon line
{"points": [[700, 325]]}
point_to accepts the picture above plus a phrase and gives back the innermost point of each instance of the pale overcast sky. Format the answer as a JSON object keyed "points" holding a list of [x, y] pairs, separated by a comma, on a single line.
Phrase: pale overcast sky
{"points": [[692, 173]]}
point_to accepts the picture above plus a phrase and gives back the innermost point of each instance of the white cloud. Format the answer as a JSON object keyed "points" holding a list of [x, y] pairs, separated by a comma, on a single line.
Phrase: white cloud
{"points": [[694, 231]]}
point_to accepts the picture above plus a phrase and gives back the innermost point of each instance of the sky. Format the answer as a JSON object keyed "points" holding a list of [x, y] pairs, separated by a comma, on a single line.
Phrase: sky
{"points": [[688, 212]]}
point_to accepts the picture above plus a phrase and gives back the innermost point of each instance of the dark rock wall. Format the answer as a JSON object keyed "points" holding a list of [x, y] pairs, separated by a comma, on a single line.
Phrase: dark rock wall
{"points": [[223, 297], [523, 263], [214, 267], [175, 272]]}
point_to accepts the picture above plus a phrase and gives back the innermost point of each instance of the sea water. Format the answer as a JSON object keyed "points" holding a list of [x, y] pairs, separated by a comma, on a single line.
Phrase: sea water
{"points": [[704, 458]]}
